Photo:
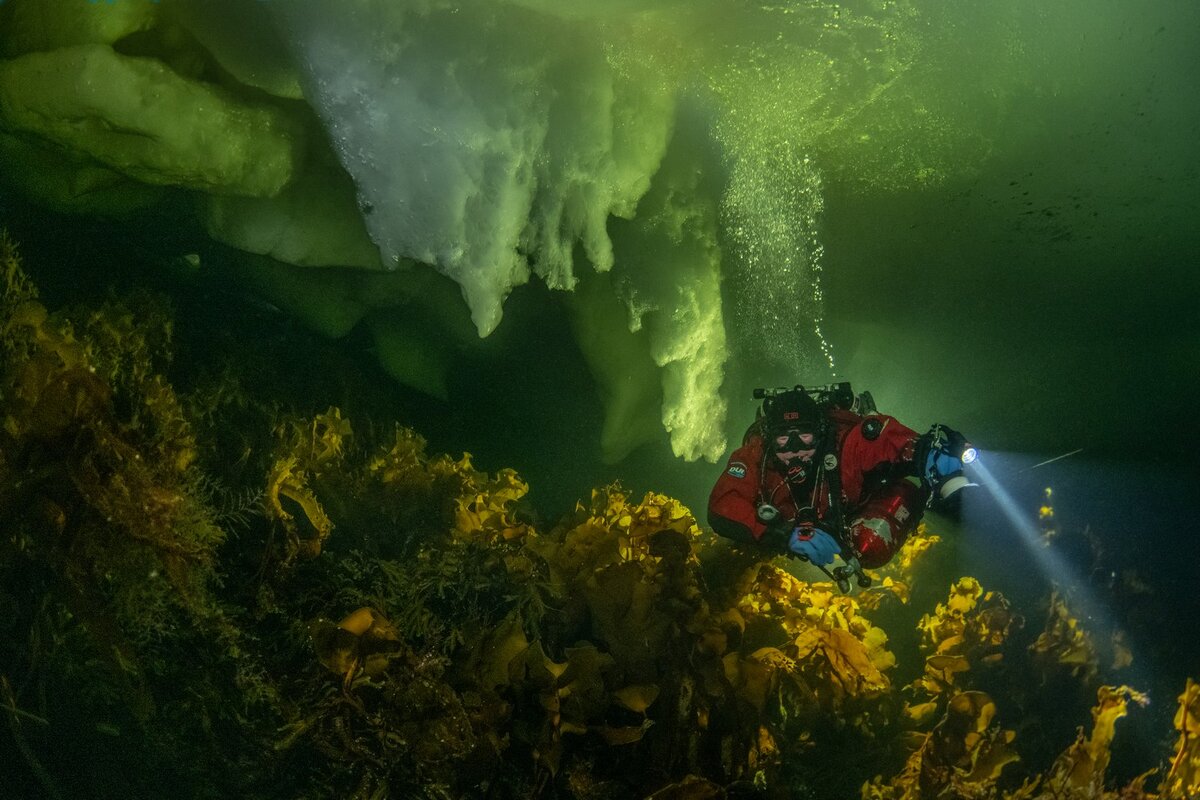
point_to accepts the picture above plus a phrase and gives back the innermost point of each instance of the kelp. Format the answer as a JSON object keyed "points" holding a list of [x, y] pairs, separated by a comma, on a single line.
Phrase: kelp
{"points": [[1079, 772], [1183, 777], [1064, 645], [966, 632], [211, 590], [110, 548], [961, 757]]}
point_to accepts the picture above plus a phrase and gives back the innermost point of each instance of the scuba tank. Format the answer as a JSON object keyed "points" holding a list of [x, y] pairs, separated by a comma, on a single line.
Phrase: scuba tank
{"points": [[885, 522]]}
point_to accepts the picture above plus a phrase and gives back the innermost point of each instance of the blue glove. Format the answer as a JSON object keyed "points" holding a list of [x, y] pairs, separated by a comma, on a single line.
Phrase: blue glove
{"points": [[939, 465], [815, 545], [935, 454]]}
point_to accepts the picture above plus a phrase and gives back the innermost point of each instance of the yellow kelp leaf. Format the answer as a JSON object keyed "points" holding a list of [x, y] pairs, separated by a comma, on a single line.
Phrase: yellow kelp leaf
{"points": [[616, 596], [964, 753], [585, 549], [378, 644], [994, 621], [500, 652], [1046, 517], [765, 750], [329, 433], [403, 463], [947, 663], [913, 549], [507, 487], [901, 589], [967, 629], [625, 735], [950, 643], [1063, 642], [540, 669], [959, 758], [940, 672], [485, 509], [637, 698], [991, 757], [712, 630], [293, 504], [1112, 705], [807, 642], [851, 663], [1183, 779], [635, 525], [750, 677], [774, 658], [555, 669], [1187, 718], [17, 286], [363, 639], [921, 713], [358, 622], [585, 697], [887, 587], [975, 706], [1079, 770], [336, 649], [963, 595], [875, 641]]}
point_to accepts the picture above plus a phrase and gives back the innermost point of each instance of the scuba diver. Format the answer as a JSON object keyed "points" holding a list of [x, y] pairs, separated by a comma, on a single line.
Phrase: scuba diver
{"points": [[821, 474]]}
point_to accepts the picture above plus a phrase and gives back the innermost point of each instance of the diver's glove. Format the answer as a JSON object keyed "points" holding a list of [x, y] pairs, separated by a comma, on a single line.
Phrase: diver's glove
{"points": [[938, 461], [814, 544], [940, 465], [938, 455]]}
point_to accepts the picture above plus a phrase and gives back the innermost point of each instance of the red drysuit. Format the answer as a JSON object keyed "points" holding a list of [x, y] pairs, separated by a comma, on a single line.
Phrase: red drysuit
{"points": [[881, 500]]}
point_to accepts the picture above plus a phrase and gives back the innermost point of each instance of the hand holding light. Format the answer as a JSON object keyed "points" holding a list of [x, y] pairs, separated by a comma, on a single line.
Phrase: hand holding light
{"points": [[941, 456]]}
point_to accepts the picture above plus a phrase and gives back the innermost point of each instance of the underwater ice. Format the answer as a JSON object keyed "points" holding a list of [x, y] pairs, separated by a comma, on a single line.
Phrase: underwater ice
{"points": [[494, 143], [483, 140], [649, 159]]}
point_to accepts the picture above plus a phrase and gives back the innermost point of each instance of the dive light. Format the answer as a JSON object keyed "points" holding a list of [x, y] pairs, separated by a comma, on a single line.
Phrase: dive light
{"points": [[952, 443]]}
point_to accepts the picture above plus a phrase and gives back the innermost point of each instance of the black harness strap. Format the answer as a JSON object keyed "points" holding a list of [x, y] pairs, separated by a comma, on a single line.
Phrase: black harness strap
{"points": [[833, 479]]}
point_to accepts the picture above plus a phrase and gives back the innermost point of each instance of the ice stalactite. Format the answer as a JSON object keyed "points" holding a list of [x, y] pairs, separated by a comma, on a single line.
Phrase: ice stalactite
{"points": [[484, 140], [668, 272], [498, 145]]}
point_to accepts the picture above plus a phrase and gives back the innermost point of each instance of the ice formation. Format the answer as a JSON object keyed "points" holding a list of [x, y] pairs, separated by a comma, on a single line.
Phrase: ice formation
{"points": [[662, 159], [484, 140], [495, 143]]}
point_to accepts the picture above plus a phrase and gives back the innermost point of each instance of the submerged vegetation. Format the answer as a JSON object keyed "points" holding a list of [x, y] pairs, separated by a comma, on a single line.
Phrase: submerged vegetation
{"points": [[205, 593]]}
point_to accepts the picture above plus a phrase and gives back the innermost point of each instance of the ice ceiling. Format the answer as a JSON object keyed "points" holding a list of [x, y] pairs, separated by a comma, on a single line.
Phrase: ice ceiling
{"points": [[660, 162]]}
